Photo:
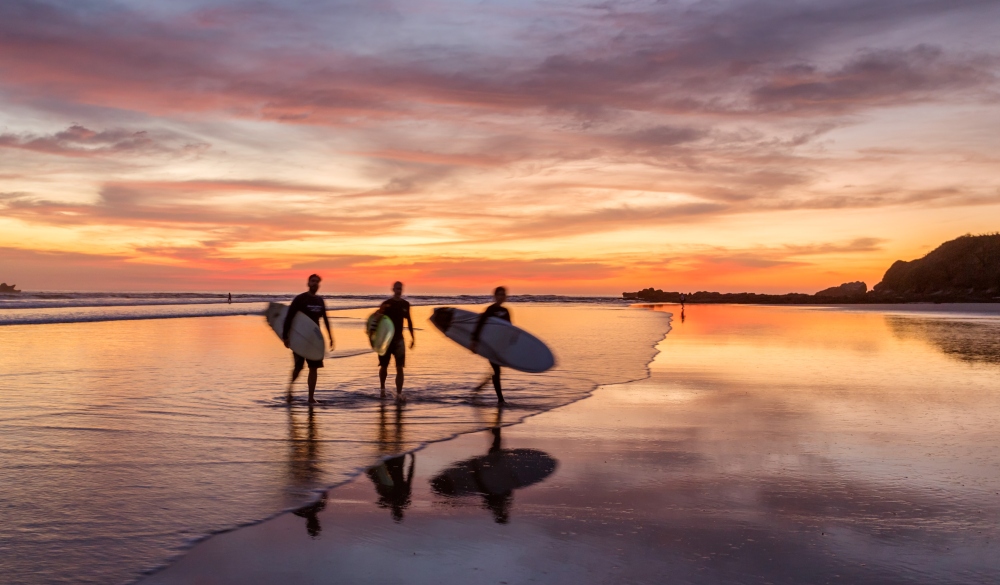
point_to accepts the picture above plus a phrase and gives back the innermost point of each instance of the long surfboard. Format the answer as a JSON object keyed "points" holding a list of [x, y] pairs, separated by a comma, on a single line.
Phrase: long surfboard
{"points": [[499, 341], [304, 338]]}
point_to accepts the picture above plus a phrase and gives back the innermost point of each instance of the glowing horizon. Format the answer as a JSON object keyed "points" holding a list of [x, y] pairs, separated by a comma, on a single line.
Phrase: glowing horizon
{"points": [[554, 147]]}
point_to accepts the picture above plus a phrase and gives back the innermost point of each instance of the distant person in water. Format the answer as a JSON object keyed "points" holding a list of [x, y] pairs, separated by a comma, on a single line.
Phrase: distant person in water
{"points": [[312, 305], [397, 308], [230, 298], [500, 312]]}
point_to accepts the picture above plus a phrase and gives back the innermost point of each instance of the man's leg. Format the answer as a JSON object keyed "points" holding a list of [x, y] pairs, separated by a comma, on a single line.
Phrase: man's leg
{"points": [[383, 373], [496, 382], [399, 354], [299, 362], [313, 374]]}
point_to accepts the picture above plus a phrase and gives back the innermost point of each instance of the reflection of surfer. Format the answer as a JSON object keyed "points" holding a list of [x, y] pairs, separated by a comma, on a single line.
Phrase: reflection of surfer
{"points": [[303, 467], [495, 476], [392, 482], [311, 305], [396, 309], [499, 311], [682, 314]]}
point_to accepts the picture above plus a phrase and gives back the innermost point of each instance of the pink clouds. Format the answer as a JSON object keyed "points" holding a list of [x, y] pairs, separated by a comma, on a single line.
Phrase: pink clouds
{"points": [[452, 129], [78, 141]]}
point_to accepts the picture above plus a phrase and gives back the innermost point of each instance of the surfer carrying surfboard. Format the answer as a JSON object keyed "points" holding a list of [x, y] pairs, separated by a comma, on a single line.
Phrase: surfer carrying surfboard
{"points": [[500, 312], [311, 305], [396, 309]]}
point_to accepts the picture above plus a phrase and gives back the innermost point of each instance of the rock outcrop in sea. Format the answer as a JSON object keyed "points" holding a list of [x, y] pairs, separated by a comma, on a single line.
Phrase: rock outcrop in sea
{"points": [[848, 290], [8, 288]]}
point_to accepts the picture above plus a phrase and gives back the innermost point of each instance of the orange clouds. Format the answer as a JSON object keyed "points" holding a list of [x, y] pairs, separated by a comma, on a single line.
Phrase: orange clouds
{"points": [[572, 148]]}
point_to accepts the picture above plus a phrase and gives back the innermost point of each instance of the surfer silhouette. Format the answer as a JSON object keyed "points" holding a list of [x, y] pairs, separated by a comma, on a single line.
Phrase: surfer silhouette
{"points": [[312, 305], [396, 309], [230, 301], [500, 312]]}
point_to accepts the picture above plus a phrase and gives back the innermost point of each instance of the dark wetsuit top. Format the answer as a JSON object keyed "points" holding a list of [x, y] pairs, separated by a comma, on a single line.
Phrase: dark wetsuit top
{"points": [[495, 310], [309, 304], [396, 310]]}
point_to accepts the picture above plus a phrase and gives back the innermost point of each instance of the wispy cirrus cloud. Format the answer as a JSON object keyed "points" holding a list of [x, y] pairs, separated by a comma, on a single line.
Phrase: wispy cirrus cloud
{"points": [[78, 141]]}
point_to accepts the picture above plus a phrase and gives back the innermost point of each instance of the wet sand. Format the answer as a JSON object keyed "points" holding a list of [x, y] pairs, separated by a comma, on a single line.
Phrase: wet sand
{"points": [[768, 445]]}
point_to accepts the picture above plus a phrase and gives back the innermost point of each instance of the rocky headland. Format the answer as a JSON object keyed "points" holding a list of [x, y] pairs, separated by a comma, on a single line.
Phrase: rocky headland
{"points": [[8, 288], [963, 270]]}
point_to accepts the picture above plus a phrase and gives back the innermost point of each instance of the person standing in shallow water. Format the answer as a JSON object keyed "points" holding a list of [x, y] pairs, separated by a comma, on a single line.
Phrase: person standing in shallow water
{"points": [[397, 308], [312, 305], [500, 312]]}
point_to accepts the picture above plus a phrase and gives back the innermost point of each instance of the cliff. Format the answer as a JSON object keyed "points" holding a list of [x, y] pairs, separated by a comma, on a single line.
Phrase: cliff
{"points": [[967, 267]]}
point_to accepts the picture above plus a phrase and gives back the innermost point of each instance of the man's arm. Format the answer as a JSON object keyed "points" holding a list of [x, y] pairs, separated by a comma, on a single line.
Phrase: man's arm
{"points": [[328, 330], [482, 321], [292, 309], [409, 322]]}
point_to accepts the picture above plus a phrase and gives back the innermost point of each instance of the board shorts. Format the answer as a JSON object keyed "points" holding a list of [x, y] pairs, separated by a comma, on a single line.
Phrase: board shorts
{"points": [[397, 349], [301, 361]]}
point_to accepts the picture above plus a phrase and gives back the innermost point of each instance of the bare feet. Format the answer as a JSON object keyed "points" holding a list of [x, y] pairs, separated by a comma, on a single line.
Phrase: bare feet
{"points": [[313, 401], [382, 394], [400, 398]]}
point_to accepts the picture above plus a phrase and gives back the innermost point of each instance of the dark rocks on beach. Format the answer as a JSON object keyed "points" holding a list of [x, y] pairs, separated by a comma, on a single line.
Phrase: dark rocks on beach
{"points": [[8, 288], [963, 270]]}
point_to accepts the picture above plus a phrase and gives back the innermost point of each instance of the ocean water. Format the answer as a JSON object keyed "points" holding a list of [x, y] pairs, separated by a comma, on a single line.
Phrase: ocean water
{"points": [[36, 308], [127, 436]]}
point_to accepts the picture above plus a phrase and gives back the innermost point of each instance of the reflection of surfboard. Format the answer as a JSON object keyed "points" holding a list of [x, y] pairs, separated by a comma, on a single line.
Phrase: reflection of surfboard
{"points": [[499, 341], [380, 332], [496, 473], [304, 338]]}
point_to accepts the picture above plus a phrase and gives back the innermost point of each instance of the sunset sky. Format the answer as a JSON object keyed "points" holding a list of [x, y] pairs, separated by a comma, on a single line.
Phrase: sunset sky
{"points": [[577, 147]]}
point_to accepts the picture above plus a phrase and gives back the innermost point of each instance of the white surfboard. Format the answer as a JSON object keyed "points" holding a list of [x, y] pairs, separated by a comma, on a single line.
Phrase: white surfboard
{"points": [[304, 338], [380, 332], [499, 341]]}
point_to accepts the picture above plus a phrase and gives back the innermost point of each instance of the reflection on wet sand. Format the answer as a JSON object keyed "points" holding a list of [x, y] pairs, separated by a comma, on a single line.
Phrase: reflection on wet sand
{"points": [[304, 471], [494, 477], [393, 482], [768, 445], [975, 341]]}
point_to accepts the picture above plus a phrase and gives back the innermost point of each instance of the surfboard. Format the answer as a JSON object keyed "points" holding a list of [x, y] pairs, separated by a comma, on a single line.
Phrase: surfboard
{"points": [[499, 341], [304, 338], [380, 332]]}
